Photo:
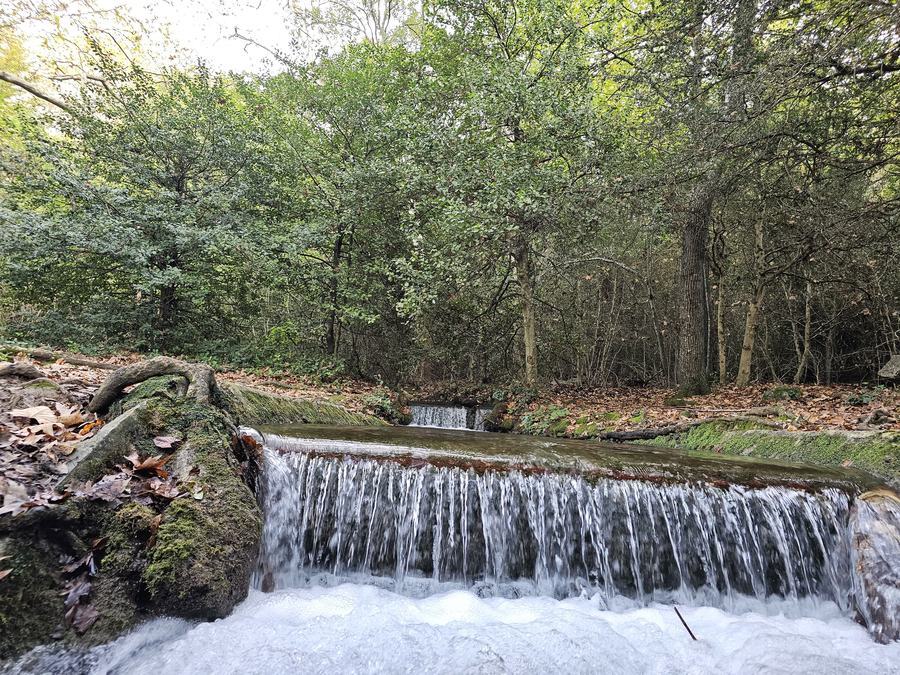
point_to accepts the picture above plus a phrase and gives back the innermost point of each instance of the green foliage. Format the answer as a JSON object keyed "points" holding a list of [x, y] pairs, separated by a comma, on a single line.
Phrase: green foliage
{"points": [[412, 205], [384, 403], [550, 420], [865, 396]]}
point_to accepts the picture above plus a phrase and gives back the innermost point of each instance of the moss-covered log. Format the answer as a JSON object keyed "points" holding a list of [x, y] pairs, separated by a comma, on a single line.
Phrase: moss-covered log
{"points": [[253, 407], [872, 451]]}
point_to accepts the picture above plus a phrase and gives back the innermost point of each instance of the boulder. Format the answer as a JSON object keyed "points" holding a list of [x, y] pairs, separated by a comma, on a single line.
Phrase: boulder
{"points": [[189, 555], [891, 369], [875, 559], [108, 447]]}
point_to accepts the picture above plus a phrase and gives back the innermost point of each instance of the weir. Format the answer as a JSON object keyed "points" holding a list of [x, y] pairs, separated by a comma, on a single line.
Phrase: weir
{"points": [[515, 519], [446, 416]]}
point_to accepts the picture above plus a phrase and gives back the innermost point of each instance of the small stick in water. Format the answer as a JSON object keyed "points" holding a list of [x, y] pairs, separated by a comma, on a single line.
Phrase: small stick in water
{"points": [[684, 623]]}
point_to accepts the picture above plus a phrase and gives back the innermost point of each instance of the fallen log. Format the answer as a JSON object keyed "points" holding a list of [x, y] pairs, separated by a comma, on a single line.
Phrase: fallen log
{"points": [[48, 356], [25, 371], [648, 434]]}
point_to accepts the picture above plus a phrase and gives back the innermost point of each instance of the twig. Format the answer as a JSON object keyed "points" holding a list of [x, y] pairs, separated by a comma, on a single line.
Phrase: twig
{"points": [[684, 623]]}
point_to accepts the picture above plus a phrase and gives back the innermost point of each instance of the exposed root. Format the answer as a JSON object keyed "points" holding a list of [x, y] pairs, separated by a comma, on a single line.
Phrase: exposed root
{"points": [[201, 380]]}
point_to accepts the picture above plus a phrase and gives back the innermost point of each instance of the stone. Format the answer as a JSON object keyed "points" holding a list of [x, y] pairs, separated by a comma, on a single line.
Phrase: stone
{"points": [[39, 391], [875, 560], [891, 369], [94, 456]]}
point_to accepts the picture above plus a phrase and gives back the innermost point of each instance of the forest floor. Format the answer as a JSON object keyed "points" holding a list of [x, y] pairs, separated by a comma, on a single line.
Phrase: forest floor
{"points": [[42, 420]]}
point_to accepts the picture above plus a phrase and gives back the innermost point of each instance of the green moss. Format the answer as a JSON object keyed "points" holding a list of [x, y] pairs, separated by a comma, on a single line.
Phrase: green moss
{"points": [[611, 416], [42, 384], [877, 453], [205, 547], [585, 430], [30, 604], [782, 393], [253, 407]]}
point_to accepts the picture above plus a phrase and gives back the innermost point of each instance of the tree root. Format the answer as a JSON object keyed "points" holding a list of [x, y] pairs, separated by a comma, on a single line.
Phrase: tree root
{"points": [[201, 380]]}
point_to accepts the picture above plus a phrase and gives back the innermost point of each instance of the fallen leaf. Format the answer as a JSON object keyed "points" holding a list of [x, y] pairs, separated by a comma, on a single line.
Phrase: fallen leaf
{"points": [[166, 442], [79, 589], [72, 420], [150, 464], [81, 617], [40, 414]]}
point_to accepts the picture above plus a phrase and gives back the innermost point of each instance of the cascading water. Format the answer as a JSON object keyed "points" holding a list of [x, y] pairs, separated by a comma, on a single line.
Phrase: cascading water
{"points": [[464, 524], [508, 533], [440, 416]]}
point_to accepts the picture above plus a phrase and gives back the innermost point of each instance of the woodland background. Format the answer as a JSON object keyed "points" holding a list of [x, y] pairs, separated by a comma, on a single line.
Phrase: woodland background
{"points": [[597, 193]]}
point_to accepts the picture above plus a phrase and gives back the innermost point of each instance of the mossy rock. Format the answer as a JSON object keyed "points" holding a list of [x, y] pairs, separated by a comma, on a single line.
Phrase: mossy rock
{"points": [[783, 393], [30, 604], [208, 540], [253, 407], [196, 564], [875, 452]]}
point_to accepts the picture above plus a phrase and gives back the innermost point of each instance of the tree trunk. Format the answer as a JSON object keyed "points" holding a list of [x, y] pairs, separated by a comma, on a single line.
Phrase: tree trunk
{"points": [[167, 308], [525, 278], [331, 330], [693, 322], [807, 336], [759, 291], [746, 362], [720, 330]]}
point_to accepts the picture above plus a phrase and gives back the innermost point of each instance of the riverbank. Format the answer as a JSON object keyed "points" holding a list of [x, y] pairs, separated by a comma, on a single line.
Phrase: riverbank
{"points": [[839, 425]]}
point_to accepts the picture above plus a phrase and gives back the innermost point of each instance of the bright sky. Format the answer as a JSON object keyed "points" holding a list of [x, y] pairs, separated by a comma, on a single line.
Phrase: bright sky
{"points": [[198, 29], [205, 27]]}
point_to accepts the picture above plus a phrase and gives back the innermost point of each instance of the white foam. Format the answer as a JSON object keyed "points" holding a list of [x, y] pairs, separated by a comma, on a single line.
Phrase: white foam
{"points": [[357, 628]]}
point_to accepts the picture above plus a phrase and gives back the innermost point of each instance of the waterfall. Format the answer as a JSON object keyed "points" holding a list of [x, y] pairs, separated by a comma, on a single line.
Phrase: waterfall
{"points": [[448, 416], [514, 532], [443, 416]]}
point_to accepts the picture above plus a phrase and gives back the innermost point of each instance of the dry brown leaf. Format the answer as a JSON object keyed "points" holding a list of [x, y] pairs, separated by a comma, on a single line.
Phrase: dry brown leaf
{"points": [[166, 442], [40, 414], [72, 419]]}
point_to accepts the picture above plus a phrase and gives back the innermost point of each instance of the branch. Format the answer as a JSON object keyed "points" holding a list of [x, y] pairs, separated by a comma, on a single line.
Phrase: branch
{"points": [[34, 91]]}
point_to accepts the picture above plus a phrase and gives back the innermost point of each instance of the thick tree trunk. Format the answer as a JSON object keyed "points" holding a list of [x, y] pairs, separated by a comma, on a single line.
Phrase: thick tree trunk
{"points": [[693, 321], [167, 308]]}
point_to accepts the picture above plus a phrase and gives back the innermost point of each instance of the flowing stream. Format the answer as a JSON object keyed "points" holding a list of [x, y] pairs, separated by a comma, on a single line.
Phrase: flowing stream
{"points": [[428, 550]]}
